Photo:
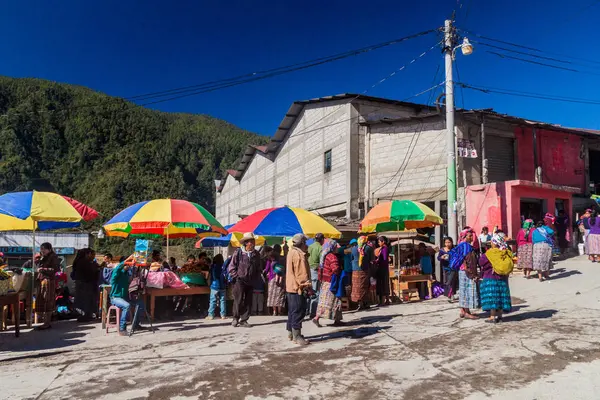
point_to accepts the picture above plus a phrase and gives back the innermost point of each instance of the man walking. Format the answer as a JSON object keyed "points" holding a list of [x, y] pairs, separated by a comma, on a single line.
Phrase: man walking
{"points": [[314, 259], [296, 282], [244, 268]]}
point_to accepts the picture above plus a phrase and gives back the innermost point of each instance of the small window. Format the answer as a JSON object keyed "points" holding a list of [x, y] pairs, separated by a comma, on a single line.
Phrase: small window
{"points": [[327, 163]]}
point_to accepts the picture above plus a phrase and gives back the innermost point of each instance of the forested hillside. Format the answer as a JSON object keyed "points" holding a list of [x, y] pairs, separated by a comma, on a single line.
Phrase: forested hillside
{"points": [[107, 152]]}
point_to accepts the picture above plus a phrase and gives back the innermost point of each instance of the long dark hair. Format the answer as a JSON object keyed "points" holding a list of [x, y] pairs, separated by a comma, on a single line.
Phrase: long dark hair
{"points": [[593, 218], [47, 246], [275, 253]]}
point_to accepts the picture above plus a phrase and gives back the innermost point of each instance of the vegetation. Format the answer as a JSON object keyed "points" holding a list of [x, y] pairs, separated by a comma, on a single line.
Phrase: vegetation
{"points": [[107, 152]]}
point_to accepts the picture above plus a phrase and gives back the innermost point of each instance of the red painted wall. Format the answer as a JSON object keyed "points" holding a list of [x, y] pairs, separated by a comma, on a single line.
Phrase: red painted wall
{"points": [[526, 163], [499, 204], [558, 155]]}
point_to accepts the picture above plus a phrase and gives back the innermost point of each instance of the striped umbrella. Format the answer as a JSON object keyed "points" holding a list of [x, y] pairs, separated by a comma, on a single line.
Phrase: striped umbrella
{"points": [[164, 217], [399, 215], [285, 221], [30, 211]]}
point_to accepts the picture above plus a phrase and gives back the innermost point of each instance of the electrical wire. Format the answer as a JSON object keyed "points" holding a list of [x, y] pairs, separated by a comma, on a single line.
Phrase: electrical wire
{"points": [[416, 135], [518, 93], [379, 82], [192, 90], [541, 63], [517, 45]]}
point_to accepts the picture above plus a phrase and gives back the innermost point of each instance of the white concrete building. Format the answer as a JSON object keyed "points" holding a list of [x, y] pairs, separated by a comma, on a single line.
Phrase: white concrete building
{"points": [[320, 159]]}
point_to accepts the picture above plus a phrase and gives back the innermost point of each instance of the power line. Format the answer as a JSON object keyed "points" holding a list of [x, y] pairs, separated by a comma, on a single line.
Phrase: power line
{"points": [[286, 68], [192, 90], [530, 48], [518, 93], [416, 135], [541, 63], [521, 52], [379, 82]]}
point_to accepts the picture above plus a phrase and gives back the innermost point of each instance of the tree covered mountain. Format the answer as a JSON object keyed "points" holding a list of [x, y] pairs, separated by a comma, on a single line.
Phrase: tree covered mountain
{"points": [[107, 152]]}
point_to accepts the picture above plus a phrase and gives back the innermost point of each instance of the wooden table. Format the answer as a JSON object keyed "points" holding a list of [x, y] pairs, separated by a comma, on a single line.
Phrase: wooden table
{"points": [[406, 280], [153, 293], [11, 299]]}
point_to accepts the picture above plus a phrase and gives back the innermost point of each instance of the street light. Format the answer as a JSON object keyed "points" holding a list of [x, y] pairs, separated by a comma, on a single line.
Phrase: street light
{"points": [[466, 47]]}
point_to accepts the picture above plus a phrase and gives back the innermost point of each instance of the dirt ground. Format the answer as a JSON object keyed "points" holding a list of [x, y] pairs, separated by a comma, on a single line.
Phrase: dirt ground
{"points": [[548, 348]]}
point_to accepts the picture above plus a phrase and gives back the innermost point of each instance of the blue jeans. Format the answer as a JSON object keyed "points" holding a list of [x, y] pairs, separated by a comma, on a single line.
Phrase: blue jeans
{"points": [[311, 306], [125, 305], [214, 294]]}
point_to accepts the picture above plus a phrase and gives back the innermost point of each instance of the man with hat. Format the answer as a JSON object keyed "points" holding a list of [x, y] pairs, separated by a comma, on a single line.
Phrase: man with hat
{"points": [[297, 284], [244, 268]]}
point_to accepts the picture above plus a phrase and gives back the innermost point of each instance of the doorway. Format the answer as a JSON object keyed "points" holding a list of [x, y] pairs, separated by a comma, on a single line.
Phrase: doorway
{"points": [[534, 209]]}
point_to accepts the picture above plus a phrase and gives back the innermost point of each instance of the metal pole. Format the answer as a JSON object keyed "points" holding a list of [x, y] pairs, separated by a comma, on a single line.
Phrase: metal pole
{"points": [[31, 309], [450, 139]]}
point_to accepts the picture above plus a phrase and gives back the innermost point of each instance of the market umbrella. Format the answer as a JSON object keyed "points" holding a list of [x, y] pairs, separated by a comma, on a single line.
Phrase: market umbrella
{"points": [[285, 221], [399, 215], [164, 217], [24, 211]]}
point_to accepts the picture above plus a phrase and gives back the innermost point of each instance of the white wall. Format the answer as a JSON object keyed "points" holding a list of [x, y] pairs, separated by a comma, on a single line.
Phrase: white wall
{"points": [[418, 151], [296, 178]]}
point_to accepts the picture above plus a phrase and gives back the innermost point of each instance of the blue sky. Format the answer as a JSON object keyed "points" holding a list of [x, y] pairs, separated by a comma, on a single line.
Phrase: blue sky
{"points": [[125, 48]]}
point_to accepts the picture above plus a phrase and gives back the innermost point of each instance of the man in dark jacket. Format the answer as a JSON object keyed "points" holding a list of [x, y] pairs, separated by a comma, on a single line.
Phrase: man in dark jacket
{"points": [[244, 269]]}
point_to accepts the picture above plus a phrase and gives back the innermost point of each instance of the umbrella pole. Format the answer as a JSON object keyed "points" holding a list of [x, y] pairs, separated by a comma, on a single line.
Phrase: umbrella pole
{"points": [[167, 244], [32, 278]]}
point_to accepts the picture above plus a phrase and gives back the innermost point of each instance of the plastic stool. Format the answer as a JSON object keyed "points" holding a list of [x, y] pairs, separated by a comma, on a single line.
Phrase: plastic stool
{"points": [[117, 316]]}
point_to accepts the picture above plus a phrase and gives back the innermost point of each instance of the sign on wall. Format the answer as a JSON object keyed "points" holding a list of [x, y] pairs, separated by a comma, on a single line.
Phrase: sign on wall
{"points": [[466, 148], [27, 250]]}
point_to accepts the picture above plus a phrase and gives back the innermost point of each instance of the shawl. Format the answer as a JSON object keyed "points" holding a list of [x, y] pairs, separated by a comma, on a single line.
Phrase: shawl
{"points": [[329, 246], [527, 225], [458, 255], [501, 260]]}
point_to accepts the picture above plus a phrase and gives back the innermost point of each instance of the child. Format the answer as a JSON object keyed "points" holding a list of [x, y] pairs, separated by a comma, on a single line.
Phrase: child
{"points": [[218, 288]]}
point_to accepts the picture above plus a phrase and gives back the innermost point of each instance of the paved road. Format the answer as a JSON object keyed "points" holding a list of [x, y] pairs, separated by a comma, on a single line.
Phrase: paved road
{"points": [[549, 348]]}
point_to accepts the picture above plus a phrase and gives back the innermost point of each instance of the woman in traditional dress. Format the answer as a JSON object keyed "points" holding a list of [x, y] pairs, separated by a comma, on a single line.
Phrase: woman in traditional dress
{"points": [[542, 250], [275, 273], [330, 305], [382, 254], [525, 247], [495, 292], [450, 276], [45, 298], [361, 263], [463, 259], [593, 239]]}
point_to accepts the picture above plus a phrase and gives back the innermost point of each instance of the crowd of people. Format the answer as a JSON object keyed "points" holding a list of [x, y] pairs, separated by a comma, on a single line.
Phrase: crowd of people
{"points": [[308, 282]]}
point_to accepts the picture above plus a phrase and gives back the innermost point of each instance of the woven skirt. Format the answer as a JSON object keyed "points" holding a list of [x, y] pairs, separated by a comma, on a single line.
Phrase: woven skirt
{"points": [[542, 256], [360, 286], [593, 244], [276, 295], [495, 295], [467, 291], [329, 306], [526, 256], [45, 297]]}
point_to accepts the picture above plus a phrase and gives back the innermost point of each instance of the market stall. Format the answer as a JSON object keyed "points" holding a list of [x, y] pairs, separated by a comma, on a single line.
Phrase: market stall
{"points": [[395, 218]]}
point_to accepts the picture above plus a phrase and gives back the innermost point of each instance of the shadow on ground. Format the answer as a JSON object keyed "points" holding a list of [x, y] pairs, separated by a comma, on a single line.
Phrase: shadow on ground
{"points": [[355, 333]]}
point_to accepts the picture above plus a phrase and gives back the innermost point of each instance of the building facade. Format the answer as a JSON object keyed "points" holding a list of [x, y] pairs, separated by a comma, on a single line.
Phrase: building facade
{"points": [[339, 156]]}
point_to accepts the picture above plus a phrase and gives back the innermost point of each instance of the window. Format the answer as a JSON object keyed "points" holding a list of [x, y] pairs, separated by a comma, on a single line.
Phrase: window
{"points": [[327, 163]]}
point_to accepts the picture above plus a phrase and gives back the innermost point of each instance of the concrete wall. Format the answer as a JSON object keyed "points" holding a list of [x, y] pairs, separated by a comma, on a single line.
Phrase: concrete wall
{"points": [[408, 160], [296, 176]]}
